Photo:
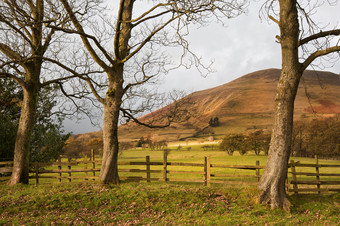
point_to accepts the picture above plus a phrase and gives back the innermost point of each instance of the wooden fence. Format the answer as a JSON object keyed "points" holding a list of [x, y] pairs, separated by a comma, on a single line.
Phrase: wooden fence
{"points": [[205, 172], [316, 179], [147, 170]]}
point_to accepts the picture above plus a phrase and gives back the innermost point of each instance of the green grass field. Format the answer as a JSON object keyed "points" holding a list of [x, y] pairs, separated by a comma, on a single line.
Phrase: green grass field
{"points": [[159, 203], [156, 204]]}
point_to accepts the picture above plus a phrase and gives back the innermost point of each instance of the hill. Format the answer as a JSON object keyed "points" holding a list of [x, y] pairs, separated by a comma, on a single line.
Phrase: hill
{"points": [[243, 105], [247, 104]]}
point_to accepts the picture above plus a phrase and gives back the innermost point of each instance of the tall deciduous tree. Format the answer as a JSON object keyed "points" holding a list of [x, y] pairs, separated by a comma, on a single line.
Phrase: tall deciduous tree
{"points": [[22, 53], [136, 55], [294, 42], [25, 41]]}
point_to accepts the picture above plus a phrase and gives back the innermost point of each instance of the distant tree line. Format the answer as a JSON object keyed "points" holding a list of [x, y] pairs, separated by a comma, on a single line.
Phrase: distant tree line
{"points": [[154, 145], [257, 141], [78, 147], [310, 137], [317, 137]]}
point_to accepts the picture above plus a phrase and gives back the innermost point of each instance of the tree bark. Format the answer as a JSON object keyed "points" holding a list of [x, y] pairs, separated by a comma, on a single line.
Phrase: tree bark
{"points": [[22, 142], [272, 184]]}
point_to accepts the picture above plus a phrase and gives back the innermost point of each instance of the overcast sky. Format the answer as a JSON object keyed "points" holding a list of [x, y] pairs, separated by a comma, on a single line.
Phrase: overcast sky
{"points": [[246, 44]]}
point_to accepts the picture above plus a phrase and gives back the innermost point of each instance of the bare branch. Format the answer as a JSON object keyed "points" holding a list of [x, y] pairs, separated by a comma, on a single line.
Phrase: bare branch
{"points": [[319, 53], [86, 42], [130, 116], [321, 34], [139, 19], [17, 9], [48, 40], [152, 17], [10, 53], [58, 80], [94, 91], [273, 19], [83, 76], [145, 79], [18, 80], [9, 24], [82, 34], [147, 39]]}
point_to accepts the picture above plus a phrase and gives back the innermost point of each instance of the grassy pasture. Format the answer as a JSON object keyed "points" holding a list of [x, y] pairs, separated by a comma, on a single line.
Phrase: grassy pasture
{"points": [[156, 204], [159, 203]]}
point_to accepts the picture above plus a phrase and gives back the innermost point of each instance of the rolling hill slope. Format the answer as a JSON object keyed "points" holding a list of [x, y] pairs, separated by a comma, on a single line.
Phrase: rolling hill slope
{"points": [[246, 104]]}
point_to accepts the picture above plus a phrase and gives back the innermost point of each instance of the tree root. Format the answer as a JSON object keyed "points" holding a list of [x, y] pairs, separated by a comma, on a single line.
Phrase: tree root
{"points": [[273, 195]]}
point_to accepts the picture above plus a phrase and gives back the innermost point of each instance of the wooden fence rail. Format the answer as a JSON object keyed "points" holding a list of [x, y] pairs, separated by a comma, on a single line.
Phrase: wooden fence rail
{"points": [[327, 184]]}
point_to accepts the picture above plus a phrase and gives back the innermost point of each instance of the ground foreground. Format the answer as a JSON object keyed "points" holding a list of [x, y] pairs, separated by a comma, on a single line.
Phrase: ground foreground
{"points": [[156, 204]]}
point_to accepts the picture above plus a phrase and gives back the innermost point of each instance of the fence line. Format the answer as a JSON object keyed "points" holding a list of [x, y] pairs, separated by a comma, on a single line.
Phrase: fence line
{"points": [[164, 171], [206, 173]]}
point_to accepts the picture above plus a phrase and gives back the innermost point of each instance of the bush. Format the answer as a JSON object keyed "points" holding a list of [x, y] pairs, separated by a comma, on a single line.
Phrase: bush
{"points": [[258, 141], [123, 146], [232, 143]]}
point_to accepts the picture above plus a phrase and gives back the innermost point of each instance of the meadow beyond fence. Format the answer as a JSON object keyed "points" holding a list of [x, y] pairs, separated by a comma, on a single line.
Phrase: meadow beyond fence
{"points": [[302, 177]]}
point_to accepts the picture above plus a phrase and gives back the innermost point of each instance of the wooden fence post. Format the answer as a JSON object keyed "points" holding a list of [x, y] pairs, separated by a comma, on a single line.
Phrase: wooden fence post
{"points": [[36, 166], [165, 163], [85, 167], [93, 163], [69, 168], [295, 186], [207, 171], [257, 171], [148, 174], [59, 168], [317, 174]]}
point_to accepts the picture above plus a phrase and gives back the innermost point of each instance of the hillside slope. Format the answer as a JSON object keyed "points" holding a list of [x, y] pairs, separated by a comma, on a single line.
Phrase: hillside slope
{"points": [[244, 105]]}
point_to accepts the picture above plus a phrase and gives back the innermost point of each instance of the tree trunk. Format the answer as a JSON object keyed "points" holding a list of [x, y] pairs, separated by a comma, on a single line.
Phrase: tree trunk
{"points": [[114, 95], [109, 169], [31, 88], [272, 184], [22, 142]]}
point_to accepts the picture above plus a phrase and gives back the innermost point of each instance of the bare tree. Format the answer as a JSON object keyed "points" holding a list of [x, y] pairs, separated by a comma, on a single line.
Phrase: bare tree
{"points": [[138, 55], [27, 48], [298, 33]]}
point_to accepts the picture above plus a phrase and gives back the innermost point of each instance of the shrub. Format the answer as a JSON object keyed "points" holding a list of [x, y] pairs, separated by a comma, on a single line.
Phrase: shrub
{"points": [[232, 143], [258, 141]]}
